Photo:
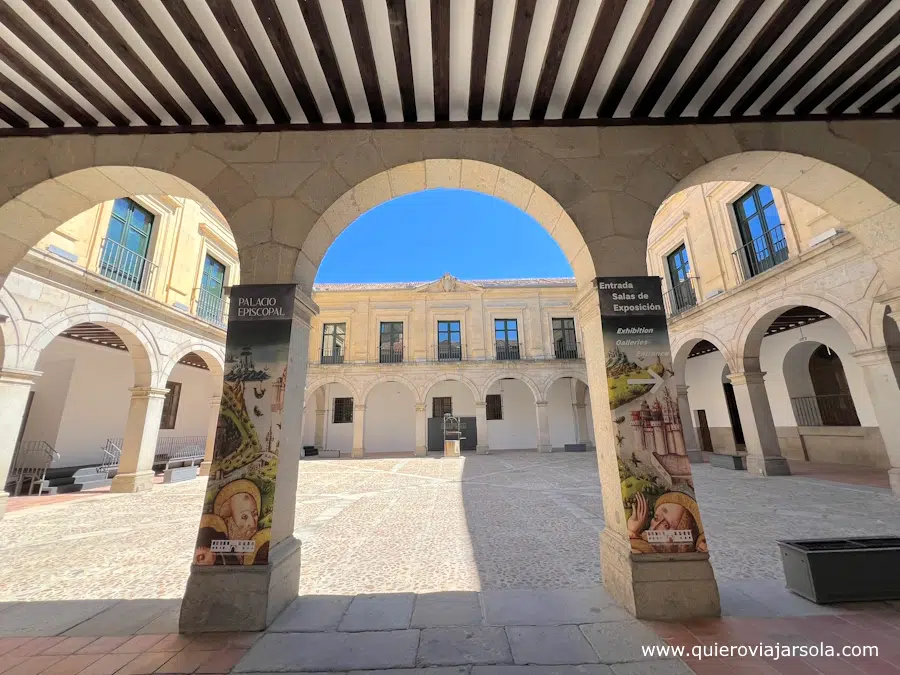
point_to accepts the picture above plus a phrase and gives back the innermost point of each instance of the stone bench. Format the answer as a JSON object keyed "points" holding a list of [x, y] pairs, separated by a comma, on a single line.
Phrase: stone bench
{"points": [[575, 447], [178, 474], [734, 462]]}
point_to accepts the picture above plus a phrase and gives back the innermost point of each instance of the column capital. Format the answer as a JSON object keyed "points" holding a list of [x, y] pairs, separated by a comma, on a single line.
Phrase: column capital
{"points": [[421, 407], [359, 407], [681, 389], [541, 404], [748, 377], [148, 392], [480, 404], [304, 307], [321, 411], [215, 401], [875, 357], [15, 376]]}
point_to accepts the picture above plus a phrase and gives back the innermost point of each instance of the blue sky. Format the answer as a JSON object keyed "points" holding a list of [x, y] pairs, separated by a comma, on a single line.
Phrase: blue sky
{"points": [[420, 236]]}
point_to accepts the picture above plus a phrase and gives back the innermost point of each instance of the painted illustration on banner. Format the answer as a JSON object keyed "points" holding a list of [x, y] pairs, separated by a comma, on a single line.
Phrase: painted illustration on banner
{"points": [[240, 495], [654, 469]]}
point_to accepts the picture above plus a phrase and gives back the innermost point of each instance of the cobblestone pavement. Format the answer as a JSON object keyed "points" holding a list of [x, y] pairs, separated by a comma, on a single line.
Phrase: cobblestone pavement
{"points": [[508, 520]]}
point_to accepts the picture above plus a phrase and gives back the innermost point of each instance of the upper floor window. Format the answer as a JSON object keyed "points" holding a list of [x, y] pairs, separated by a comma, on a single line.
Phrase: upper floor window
{"points": [[390, 345], [125, 249], [441, 405], [506, 338], [449, 346], [762, 236], [333, 338], [343, 411], [565, 346], [210, 301], [681, 294]]}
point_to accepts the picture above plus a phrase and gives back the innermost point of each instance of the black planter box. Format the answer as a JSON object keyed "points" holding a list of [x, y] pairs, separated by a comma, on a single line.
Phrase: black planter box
{"points": [[575, 447], [735, 462], [843, 570]]}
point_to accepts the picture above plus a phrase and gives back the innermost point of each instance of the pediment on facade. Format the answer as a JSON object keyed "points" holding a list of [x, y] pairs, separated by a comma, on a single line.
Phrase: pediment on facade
{"points": [[448, 284]]}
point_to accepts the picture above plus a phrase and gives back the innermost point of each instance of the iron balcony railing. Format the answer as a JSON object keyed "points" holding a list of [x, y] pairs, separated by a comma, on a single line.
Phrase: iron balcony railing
{"points": [[761, 254], [681, 297], [829, 410], [331, 355], [391, 352], [210, 307], [507, 351], [566, 349], [449, 351], [125, 267], [30, 462]]}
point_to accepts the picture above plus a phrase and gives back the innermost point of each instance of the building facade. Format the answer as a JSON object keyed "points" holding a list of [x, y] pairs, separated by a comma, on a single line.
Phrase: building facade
{"points": [[388, 361], [780, 341]]}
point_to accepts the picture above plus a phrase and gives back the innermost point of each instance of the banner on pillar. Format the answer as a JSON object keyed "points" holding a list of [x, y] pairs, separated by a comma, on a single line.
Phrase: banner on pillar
{"points": [[240, 496], [654, 469]]}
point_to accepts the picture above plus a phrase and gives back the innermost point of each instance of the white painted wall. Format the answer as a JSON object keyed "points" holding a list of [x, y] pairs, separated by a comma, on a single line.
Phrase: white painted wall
{"points": [[337, 436], [82, 399], [390, 424], [561, 413], [703, 375], [463, 399], [518, 428]]}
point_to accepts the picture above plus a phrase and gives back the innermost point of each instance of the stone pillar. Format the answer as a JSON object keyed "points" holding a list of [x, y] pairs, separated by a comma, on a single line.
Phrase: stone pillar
{"points": [[543, 427], [15, 385], [321, 421], [691, 440], [359, 427], [648, 586], [212, 426], [248, 597], [881, 382], [135, 473], [421, 429], [483, 446], [763, 451]]}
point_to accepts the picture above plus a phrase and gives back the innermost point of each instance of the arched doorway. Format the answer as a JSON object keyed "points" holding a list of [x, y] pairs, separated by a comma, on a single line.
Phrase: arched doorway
{"points": [[830, 389], [511, 420], [454, 398], [390, 419], [328, 419]]}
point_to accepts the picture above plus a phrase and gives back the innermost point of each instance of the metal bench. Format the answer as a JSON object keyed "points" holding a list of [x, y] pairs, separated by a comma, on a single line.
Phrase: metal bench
{"points": [[175, 452]]}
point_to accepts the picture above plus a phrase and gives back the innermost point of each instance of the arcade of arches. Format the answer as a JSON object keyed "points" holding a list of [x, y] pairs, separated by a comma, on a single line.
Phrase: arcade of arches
{"points": [[287, 195]]}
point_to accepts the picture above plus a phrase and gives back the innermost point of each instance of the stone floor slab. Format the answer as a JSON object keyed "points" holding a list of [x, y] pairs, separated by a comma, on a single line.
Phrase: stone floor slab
{"points": [[669, 667], [547, 607], [550, 645], [298, 652], [621, 642], [463, 645], [312, 613], [37, 619], [382, 611], [451, 608], [126, 617], [447, 670], [590, 669]]}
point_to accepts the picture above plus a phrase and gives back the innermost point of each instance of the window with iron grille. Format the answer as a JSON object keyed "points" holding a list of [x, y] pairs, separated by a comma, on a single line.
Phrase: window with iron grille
{"points": [[391, 342], [343, 411], [441, 405], [449, 342], [762, 235], [170, 406], [506, 338], [564, 344], [124, 257], [494, 407], [333, 336]]}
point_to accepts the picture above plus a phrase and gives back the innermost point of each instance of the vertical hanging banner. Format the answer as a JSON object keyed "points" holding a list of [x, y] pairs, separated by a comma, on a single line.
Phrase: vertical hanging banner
{"points": [[240, 495], [657, 485]]}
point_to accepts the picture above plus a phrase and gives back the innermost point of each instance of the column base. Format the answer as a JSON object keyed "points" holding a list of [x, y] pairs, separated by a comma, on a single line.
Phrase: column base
{"points": [[4, 498], [358, 453], [421, 451], [204, 468], [893, 476], [241, 598], [658, 586], [482, 450], [767, 466], [132, 482], [695, 456], [545, 448]]}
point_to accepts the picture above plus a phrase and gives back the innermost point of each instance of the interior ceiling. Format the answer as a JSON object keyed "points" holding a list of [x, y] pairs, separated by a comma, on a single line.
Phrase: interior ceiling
{"points": [[212, 63], [798, 317], [100, 335]]}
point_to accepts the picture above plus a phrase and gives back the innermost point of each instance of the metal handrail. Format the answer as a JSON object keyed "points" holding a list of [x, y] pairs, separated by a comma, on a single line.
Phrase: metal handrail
{"points": [[30, 462], [761, 254], [125, 267], [681, 297], [507, 351], [391, 353], [566, 349], [112, 452], [449, 351], [826, 410], [210, 308], [331, 356]]}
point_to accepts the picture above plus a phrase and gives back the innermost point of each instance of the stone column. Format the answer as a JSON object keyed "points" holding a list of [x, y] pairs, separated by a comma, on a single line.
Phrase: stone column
{"points": [[135, 473], [15, 385], [483, 446], [543, 427], [648, 586], [763, 452], [421, 430], [321, 421], [881, 382], [212, 426], [248, 597], [691, 440], [359, 427]]}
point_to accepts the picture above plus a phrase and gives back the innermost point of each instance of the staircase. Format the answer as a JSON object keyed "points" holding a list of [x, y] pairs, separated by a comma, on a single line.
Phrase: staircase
{"points": [[29, 466], [77, 479]]}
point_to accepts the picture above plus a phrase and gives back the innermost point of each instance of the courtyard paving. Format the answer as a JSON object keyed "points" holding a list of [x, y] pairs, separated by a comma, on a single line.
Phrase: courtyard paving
{"points": [[474, 564]]}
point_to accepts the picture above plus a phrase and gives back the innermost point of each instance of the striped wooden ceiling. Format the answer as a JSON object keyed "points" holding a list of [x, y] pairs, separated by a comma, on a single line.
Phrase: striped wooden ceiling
{"points": [[211, 63], [104, 337]]}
